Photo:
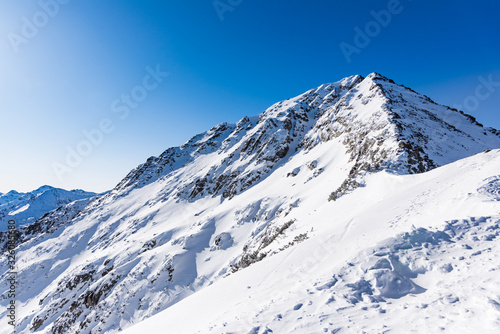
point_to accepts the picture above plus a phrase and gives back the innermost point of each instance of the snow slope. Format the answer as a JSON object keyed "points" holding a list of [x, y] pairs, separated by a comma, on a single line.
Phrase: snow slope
{"points": [[25, 208], [419, 256], [246, 203]]}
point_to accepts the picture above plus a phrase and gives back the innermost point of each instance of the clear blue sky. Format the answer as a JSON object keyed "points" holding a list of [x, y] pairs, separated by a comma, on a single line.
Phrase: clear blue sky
{"points": [[65, 76]]}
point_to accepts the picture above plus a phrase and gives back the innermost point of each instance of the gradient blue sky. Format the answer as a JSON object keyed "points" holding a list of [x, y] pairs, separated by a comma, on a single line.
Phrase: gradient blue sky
{"points": [[64, 79]]}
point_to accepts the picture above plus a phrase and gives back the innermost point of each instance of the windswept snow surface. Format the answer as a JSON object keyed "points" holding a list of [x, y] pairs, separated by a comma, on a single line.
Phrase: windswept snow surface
{"points": [[412, 254], [274, 223]]}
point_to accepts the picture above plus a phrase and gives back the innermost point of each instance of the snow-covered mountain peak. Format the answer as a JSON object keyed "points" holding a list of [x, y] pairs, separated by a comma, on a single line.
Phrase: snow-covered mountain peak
{"points": [[377, 76], [241, 195], [381, 124], [43, 188], [26, 208]]}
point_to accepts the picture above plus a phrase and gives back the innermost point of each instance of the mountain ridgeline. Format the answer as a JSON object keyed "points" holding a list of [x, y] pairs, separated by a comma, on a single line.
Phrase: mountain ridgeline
{"points": [[26, 208], [382, 125]]}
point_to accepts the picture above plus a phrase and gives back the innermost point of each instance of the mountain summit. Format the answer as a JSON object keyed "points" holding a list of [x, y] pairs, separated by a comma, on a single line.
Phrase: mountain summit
{"points": [[342, 167], [382, 125]]}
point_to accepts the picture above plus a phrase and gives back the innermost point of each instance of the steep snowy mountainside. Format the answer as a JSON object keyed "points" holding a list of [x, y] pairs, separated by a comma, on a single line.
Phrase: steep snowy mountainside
{"points": [[444, 134], [389, 126], [242, 153], [383, 125], [419, 256], [25, 208], [47, 223], [232, 198]]}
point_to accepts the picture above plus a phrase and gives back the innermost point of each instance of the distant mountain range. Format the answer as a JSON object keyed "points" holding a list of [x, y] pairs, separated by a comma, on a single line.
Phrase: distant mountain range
{"points": [[26, 208], [349, 208]]}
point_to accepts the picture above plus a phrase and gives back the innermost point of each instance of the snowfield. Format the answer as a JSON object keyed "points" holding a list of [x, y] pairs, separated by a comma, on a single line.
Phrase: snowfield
{"points": [[358, 206], [412, 254]]}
